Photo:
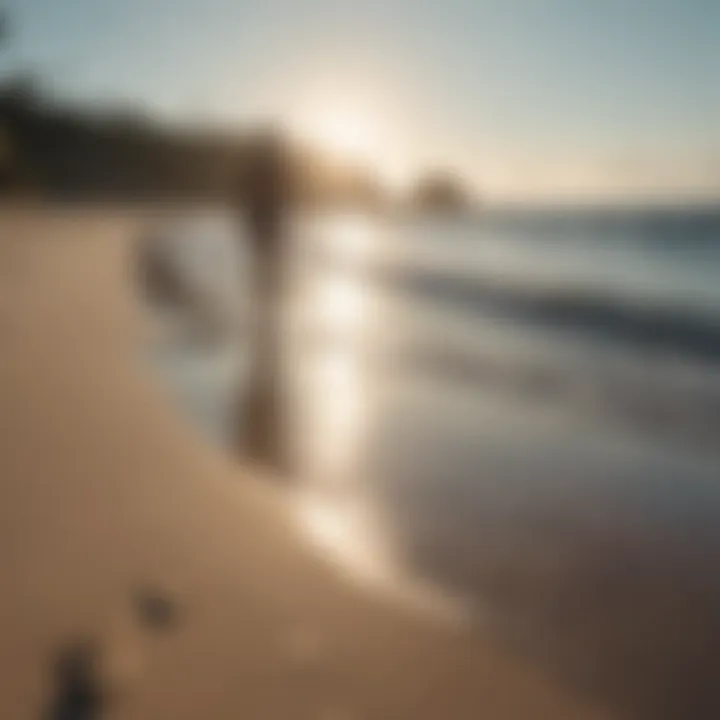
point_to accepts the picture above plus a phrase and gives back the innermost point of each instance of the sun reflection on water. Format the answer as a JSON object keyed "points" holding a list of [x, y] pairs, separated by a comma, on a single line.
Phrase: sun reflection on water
{"points": [[333, 508], [335, 505]]}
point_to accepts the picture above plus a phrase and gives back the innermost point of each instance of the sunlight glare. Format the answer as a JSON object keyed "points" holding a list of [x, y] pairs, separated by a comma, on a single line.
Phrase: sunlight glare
{"points": [[351, 133], [342, 130], [341, 304]]}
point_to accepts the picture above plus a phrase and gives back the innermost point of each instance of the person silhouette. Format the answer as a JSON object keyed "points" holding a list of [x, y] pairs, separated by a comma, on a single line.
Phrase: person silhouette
{"points": [[264, 196]]}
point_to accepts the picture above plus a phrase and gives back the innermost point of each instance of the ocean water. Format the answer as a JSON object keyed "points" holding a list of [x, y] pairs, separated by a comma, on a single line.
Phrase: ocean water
{"points": [[520, 409]]}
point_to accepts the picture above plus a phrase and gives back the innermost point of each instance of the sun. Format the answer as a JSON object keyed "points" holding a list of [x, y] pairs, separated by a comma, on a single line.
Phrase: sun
{"points": [[346, 132], [350, 133]]}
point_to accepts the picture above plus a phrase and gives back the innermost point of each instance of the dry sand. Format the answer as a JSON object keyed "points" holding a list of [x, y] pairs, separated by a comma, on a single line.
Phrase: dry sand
{"points": [[105, 491]]}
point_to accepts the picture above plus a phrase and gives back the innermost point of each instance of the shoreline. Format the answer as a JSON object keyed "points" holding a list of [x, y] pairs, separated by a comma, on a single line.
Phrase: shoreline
{"points": [[106, 490]]}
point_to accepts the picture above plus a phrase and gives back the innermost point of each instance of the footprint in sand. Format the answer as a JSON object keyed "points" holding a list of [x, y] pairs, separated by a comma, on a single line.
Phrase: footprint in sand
{"points": [[79, 693], [89, 675]]}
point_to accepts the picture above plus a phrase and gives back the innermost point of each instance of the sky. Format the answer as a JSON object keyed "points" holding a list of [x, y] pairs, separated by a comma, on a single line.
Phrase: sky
{"points": [[524, 98]]}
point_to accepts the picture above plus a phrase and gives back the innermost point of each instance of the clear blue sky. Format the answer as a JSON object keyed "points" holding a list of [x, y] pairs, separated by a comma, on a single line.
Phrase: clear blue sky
{"points": [[527, 97]]}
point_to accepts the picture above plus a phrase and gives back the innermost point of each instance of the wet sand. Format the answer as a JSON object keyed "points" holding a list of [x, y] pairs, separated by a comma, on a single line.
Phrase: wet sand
{"points": [[121, 527]]}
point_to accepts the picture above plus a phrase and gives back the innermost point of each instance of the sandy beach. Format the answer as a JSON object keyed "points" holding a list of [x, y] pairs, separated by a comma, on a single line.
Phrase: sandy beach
{"points": [[105, 492]]}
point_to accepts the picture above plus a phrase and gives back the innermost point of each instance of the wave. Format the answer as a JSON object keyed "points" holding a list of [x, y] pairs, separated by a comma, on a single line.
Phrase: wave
{"points": [[654, 401], [651, 326]]}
